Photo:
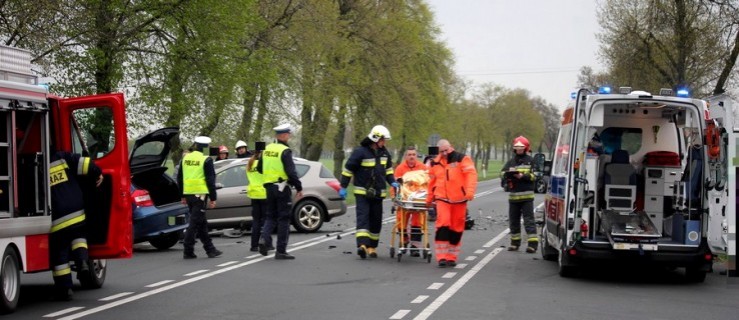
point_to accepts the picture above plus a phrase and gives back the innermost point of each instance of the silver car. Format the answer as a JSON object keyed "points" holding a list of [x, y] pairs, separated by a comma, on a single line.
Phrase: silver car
{"points": [[320, 202]]}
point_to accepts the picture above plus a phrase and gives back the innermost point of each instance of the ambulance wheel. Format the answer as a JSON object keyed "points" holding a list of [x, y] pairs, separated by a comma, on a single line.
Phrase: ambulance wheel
{"points": [[695, 274], [392, 252], [10, 280], [96, 277]]}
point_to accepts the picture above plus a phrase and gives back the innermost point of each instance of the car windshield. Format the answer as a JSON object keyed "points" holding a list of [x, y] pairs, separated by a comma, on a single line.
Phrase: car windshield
{"points": [[222, 163]]}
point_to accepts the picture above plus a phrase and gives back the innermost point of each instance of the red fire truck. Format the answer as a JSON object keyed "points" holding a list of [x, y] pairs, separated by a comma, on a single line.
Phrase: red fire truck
{"points": [[31, 120]]}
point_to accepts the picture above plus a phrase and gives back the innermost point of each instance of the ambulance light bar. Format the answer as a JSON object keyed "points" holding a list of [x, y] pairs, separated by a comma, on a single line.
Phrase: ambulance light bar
{"points": [[604, 90], [683, 93], [624, 90], [665, 92]]}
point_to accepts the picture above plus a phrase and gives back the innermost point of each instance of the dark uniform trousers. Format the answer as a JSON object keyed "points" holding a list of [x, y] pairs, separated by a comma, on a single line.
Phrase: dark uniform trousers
{"points": [[258, 213], [64, 244], [369, 221], [515, 211], [198, 226], [278, 212]]}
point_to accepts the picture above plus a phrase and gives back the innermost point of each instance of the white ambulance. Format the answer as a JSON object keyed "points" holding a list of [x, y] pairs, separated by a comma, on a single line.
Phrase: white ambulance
{"points": [[630, 179]]}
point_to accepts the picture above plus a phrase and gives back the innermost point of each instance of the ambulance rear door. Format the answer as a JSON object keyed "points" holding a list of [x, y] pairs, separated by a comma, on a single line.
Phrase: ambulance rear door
{"points": [[721, 195]]}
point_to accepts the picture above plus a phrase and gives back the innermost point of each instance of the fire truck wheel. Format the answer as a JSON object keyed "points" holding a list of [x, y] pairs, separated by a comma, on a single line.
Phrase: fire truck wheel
{"points": [[10, 281], [96, 277]]}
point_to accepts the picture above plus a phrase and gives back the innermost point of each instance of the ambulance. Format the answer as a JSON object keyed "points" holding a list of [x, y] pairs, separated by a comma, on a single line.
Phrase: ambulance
{"points": [[633, 178], [31, 120]]}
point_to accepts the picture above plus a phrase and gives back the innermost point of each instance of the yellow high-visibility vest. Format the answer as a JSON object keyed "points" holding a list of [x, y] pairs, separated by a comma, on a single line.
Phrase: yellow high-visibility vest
{"points": [[255, 189], [193, 174], [272, 167]]}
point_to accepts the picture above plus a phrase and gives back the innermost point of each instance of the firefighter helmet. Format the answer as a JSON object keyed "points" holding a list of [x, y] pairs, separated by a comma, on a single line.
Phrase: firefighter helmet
{"points": [[222, 149], [521, 141], [379, 132], [240, 144]]}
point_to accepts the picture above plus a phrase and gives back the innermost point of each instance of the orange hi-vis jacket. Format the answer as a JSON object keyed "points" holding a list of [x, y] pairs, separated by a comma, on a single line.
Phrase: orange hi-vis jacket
{"points": [[453, 178]]}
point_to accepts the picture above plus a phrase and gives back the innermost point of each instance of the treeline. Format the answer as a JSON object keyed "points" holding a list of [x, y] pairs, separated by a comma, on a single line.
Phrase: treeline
{"points": [[233, 69]]}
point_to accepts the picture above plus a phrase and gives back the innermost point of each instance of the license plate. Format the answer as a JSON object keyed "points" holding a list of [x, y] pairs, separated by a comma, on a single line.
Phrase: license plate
{"points": [[171, 220]]}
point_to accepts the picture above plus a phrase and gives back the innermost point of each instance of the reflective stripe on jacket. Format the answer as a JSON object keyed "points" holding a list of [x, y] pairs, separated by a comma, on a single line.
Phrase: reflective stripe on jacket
{"points": [[453, 178], [272, 167], [255, 189], [523, 189], [193, 174], [368, 168]]}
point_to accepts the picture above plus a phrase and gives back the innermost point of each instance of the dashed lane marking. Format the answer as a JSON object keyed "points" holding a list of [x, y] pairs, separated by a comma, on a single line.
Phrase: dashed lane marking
{"points": [[431, 308], [400, 314], [156, 284], [227, 263], [449, 275], [435, 286], [460, 266], [479, 251], [62, 312], [470, 258], [196, 272], [116, 296], [420, 299]]}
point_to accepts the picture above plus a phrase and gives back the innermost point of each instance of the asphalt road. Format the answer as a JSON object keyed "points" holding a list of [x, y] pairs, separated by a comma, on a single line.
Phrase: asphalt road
{"points": [[329, 281]]}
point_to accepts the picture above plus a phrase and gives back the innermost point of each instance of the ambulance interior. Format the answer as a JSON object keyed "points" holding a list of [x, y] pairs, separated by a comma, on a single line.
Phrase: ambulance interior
{"points": [[645, 158]]}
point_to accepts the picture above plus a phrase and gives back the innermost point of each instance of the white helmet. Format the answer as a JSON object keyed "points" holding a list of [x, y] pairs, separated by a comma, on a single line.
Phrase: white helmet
{"points": [[240, 144], [378, 132]]}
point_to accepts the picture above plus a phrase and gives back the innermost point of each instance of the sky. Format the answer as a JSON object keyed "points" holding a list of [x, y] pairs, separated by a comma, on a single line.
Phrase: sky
{"points": [[538, 45]]}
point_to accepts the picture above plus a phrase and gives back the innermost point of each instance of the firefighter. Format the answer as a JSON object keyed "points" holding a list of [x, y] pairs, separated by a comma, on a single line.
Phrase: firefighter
{"points": [[257, 194], [222, 153], [68, 218], [278, 169], [370, 165], [197, 181], [452, 185], [410, 163], [241, 150], [518, 180]]}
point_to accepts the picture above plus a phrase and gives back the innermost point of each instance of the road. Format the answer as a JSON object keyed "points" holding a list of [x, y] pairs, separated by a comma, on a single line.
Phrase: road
{"points": [[329, 281]]}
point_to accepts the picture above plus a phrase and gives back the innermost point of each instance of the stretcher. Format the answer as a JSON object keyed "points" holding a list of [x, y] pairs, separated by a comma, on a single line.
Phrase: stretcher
{"points": [[630, 230], [410, 201]]}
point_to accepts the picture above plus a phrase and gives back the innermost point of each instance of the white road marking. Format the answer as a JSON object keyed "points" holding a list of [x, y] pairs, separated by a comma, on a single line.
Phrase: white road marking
{"points": [[420, 299], [116, 296], [400, 314], [470, 258], [449, 275], [227, 263], [479, 251], [426, 313], [196, 272], [62, 312], [497, 238], [460, 266], [435, 286], [156, 284]]}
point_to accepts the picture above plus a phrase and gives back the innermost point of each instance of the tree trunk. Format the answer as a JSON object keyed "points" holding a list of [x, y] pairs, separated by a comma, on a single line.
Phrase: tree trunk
{"points": [[261, 113], [249, 103], [339, 141]]}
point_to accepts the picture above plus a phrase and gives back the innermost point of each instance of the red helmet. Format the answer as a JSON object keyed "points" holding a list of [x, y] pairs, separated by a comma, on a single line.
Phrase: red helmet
{"points": [[521, 141], [222, 149]]}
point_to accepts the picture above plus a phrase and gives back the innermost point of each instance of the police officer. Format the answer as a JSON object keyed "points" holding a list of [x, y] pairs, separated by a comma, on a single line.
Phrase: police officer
{"points": [[278, 168], [371, 166], [68, 218], [257, 194], [197, 181], [518, 180], [241, 150]]}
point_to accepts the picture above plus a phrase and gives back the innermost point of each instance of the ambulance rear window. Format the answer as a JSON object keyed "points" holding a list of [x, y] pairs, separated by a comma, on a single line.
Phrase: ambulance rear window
{"points": [[615, 138]]}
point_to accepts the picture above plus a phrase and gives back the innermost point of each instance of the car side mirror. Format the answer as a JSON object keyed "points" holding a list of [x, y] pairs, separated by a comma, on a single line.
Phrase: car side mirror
{"points": [[219, 185]]}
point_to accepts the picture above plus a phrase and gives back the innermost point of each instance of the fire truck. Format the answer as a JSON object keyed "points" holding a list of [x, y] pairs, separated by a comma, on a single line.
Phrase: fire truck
{"points": [[635, 178], [32, 120]]}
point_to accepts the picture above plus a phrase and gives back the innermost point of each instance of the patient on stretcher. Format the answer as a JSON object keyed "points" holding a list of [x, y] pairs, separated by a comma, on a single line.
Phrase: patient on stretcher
{"points": [[415, 186]]}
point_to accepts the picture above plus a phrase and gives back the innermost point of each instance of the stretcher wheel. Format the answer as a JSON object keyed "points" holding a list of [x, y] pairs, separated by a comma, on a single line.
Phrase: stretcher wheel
{"points": [[428, 258], [425, 254], [400, 255], [392, 252]]}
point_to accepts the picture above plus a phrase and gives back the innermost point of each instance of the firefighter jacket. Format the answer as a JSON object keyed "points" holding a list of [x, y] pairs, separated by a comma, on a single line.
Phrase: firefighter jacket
{"points": [[67, 204], [255, 190], [453, 178], [520, 189], [370, 169], [276, 165], [198, 165]]}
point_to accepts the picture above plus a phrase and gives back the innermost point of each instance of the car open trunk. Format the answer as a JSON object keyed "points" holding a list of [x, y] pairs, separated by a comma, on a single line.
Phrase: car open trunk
{"points": [[162, 188]]}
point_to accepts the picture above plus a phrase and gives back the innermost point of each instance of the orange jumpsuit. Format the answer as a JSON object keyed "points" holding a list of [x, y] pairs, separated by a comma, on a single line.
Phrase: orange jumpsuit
{"points": [[453, 183], [402, 215]]}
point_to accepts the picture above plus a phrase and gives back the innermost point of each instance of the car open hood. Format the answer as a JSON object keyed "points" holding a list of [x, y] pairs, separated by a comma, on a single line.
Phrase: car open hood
{"points": [[152, 149]]}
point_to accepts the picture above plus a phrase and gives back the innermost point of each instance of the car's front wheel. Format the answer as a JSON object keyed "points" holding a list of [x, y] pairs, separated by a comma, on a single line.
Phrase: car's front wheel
{"points": [[308, 216], [165, 241], [96, 277]]}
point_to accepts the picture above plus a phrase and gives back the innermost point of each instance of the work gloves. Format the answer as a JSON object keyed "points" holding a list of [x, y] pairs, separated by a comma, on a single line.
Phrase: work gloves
{"points": [[342, 193]]}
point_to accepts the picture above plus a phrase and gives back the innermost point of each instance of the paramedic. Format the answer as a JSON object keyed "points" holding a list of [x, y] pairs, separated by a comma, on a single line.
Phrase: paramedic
{"points": [[452, 185], [410, 163], [370, 165], [518, 180]]}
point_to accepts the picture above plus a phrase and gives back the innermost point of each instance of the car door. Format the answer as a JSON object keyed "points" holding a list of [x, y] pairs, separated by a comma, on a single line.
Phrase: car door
{"points": [[95, 126], [232, 203]]}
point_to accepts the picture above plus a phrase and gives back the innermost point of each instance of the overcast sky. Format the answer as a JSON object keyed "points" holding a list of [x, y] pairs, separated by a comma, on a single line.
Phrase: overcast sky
{"points": [[538, 45]]}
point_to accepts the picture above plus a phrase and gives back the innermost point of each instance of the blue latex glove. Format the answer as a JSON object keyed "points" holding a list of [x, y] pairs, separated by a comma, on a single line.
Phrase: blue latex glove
{"points": [[395, 185], [342, 193]]}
